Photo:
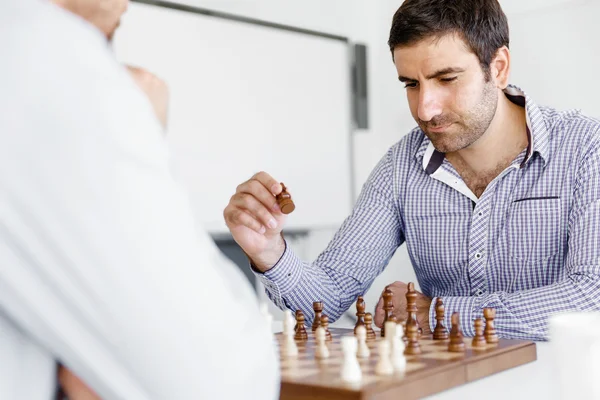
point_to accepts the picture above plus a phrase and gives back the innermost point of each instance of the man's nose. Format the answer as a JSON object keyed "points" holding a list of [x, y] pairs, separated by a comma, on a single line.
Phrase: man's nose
{"points": [[429, 105]]}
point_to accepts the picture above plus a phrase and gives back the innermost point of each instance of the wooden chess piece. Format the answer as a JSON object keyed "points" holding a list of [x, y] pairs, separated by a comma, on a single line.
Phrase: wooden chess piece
{"points": [[388, 307], [412, 335], [300, 328], [325, 325], [318, 307], [411, 306], [298, 312], [440, 332], [457, 344], [360, 312], [490, 330], [369, 325], [479, 341], [284, 199]]}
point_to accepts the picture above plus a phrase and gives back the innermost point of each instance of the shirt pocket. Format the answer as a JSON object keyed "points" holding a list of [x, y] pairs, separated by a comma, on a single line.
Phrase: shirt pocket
{"points": [[533, 229]]}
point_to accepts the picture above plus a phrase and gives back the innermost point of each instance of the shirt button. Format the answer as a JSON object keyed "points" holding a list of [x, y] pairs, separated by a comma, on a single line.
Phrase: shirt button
{"points": [[478, 256], [480, 213], [479, 292]]}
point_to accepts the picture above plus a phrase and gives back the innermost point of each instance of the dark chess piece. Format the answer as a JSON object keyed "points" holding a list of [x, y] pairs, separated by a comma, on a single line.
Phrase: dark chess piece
{"points": [[479, 341], [411, 306], [369, 325], [360, 312], [457, 344], [388, 307], [412, 336], [300, 328], [440, 332], [284, 199], [490, 330], [318, 307]]}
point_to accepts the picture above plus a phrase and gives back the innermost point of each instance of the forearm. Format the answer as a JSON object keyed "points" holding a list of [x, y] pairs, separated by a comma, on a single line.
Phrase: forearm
{"points": [[524, 314]]}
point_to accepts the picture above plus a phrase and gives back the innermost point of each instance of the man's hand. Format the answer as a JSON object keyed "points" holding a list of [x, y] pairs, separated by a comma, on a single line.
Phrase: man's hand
{"points": [[73, 387], [255, 220], [399, 290], [156, 90]]}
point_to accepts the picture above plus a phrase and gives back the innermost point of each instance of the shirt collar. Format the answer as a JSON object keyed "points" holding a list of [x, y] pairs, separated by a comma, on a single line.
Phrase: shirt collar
{"points": [[536, 130]]}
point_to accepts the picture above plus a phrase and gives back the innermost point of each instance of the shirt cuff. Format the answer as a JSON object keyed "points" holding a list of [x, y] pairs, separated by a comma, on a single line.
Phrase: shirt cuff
{"points": [[283, 277], [467, 307]]}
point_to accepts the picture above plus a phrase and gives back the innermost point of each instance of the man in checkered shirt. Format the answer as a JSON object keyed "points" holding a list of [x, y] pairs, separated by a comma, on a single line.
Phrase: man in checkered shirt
{"points": [[496, 197]]}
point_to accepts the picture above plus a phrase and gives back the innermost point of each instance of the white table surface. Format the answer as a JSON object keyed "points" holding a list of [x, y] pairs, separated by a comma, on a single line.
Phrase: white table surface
{"points": [[530, 381]]}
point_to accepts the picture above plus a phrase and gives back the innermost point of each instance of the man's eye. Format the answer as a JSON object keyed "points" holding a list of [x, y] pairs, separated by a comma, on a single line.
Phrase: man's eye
{"points": [[448, 79], [410, 85]]}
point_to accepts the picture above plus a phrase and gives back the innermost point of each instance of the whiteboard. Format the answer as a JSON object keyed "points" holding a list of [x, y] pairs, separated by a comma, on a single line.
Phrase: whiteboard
{"points": [[248, 98]]}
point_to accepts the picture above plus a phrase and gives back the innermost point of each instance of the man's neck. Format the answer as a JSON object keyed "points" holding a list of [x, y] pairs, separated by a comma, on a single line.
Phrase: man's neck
{"points": [[504, 139]]}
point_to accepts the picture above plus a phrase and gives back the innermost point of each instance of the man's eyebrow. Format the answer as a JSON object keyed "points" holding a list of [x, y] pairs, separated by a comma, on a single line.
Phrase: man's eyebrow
{"points": [[436, 74]]}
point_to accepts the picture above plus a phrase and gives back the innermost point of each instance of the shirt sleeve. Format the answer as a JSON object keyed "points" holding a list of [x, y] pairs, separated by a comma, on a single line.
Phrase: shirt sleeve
{"points": [[357, 254], [102, 263], [524, 314]]}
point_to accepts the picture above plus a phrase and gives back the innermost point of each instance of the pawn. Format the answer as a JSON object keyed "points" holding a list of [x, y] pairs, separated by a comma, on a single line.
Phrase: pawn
{"points": [[479, 341], [284, 200], [351, 371], [412, 336], [390, 331], [457, 344], [360, 312], [369, 325], [490, 330], [440, 332], [300, 328], [398, 348], [361, 335], [321, 351], [384, 365], [318, 308], [264, 310], [289, 348], [325, 325]]}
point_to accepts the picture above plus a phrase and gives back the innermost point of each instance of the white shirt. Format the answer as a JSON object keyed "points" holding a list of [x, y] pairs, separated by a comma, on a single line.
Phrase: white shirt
{"points": [[101, 264]]}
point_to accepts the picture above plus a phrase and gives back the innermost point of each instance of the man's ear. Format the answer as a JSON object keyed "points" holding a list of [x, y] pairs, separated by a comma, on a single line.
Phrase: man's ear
{"points": [[500, 68]]}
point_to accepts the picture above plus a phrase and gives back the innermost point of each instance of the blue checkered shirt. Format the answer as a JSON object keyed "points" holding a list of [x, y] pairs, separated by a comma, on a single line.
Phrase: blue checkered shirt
{"points": [[529, 246]]}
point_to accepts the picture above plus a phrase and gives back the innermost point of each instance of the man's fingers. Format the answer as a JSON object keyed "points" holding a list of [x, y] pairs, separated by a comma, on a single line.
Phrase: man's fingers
{"points": [[248, 203], [379, 313], [257, 189], [267, 181], [235, 217]]}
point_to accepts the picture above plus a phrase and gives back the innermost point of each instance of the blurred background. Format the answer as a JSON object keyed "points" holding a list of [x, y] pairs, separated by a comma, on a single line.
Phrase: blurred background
{"points": [[306, 90]]}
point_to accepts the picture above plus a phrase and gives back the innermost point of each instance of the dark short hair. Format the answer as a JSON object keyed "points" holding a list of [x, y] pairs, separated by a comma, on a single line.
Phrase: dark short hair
{"points": [[480, 23]]}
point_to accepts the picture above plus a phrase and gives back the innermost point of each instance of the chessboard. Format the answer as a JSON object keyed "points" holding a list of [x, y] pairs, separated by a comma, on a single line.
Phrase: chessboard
{"points": [[436, 369]]}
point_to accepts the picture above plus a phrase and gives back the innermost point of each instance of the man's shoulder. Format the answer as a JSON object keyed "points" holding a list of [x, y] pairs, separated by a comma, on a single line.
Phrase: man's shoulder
{"points": [[408, 145], [571, 127]]}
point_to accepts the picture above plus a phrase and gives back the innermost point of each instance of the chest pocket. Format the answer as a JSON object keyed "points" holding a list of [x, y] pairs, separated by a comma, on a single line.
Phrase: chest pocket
{"points": [[533, 229]]}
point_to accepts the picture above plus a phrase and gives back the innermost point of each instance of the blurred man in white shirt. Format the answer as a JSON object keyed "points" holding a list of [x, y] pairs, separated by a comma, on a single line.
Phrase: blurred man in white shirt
{"points": [[101, 265]]}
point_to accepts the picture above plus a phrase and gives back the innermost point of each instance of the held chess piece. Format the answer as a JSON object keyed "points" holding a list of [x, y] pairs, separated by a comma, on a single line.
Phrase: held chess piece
{"points": [[284, 199], [457, 344], [388, 307], [351, 371], [321, 351], [289, 348], [411, 306], [369, 325], [412, 335], [490, 330], [318, 308], [384, 365], [398, 348], [479, 339], [361, 336], [360, 313], [325, 325], [300, 328], [440, 332]]}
